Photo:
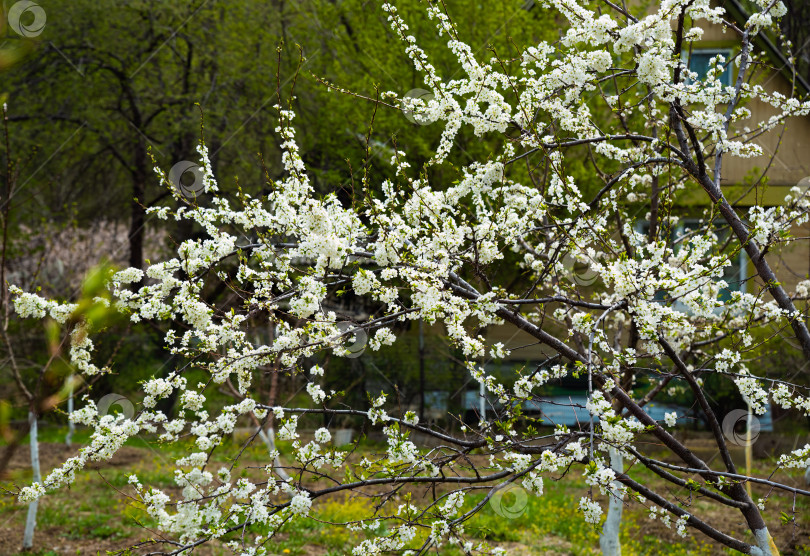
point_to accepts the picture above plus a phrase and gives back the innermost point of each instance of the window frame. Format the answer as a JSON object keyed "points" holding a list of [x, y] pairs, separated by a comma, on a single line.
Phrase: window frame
{"points": [[726, 51], [679, 231]]}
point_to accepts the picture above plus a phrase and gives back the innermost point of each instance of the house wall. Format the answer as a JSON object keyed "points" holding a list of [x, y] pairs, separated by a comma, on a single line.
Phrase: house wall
{"points": [[791, 262], [785, 162], [788, 144]]}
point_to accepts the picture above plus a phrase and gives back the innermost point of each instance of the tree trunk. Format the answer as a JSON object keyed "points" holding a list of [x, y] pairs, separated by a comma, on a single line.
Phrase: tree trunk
{"points": [[71, 424], [269, 435], [137, 206], [269, 438], [137, 223], [421, 372], [609, 539], [31, 520]]}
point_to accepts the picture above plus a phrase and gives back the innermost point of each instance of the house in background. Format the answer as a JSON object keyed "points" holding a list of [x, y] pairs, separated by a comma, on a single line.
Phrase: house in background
{"points": [[765, 180], [785, 162]]}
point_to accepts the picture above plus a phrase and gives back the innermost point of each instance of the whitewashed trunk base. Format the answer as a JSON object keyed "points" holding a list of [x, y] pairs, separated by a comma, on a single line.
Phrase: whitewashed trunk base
{"points": [[609, 539], [31, 520]]}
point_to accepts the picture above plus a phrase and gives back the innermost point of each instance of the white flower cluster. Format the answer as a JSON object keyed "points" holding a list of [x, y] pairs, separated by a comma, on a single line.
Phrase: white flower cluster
{"points": [[422, 250], [616, 431], [603, 478], [591, 510]]}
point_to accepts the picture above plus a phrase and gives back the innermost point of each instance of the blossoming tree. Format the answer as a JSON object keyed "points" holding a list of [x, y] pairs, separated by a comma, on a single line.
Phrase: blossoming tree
{"points": [[614, 91]]}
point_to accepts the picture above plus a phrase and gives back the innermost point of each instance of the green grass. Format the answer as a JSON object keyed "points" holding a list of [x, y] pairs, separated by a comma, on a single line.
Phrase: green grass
{"points": [[552, 523]]}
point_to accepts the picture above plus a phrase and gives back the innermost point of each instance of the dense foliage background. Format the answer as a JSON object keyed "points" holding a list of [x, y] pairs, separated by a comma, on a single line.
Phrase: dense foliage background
{"points": [[109, 90]]}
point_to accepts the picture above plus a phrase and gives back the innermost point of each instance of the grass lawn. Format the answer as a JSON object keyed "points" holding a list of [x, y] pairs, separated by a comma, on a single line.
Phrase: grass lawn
{"points": [[95, 515]]}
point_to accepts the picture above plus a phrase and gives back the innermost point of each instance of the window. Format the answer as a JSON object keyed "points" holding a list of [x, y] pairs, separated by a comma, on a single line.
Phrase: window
{"points": [[735, 275], [698, 62]]}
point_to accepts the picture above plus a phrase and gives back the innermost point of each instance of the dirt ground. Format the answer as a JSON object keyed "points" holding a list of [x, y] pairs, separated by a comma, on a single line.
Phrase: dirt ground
{"points": [[66, 539], [51, 455]]}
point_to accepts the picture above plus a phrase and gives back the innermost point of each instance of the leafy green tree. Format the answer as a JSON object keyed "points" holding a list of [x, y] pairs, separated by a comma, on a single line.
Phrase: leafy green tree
{"points": [[112, 81]]}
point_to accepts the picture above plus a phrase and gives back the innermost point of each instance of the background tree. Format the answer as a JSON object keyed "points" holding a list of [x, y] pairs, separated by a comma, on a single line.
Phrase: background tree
{"points": [[473, 244], [98, 97]]}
